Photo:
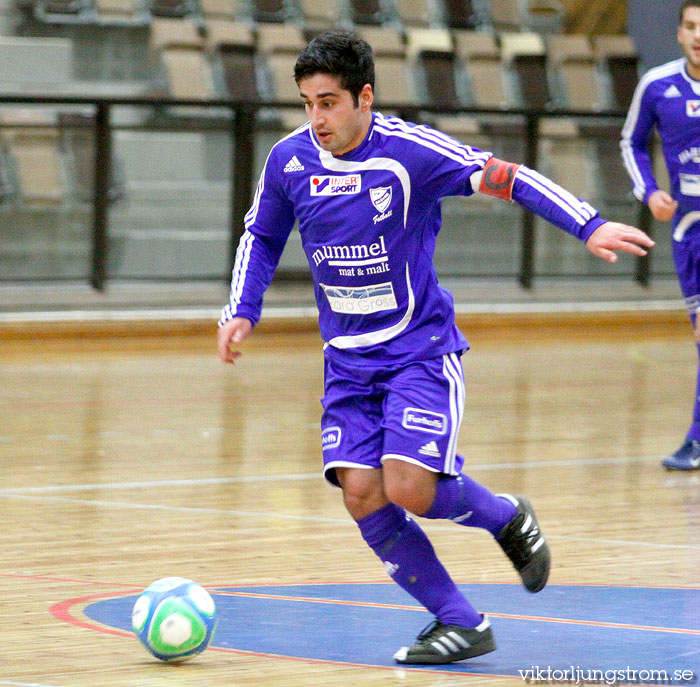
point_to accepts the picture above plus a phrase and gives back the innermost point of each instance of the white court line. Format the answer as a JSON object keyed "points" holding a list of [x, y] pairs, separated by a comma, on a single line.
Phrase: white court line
{"points": [[172, 509], [313, 475], [310, 311], [163, 483], [304, 518], [25, 684]]}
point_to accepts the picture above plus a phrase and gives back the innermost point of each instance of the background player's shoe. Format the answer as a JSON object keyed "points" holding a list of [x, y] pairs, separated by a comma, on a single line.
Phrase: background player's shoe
{"points": [[525, 545], [687, 457], [440, 643]]}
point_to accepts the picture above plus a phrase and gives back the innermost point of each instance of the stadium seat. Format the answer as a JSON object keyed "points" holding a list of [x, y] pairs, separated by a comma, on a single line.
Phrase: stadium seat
{"points": [[60, 10], [481, 60], [394, 84], [270, 11], [541, 16], [431, 53], [618, 59], [573, 72], [31, 141], [228, 10], [319, 15], [384, 40], [525, 61], [366, 11], [414, 13], [178, 46], [280, 38], [232, 49], [120, 11], [172, 8], [219, 32], [167, 32], [460, 14]]}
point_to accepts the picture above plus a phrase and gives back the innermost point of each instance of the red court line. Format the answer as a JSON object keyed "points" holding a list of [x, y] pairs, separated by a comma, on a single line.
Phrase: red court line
{"points": [[62, 611]]}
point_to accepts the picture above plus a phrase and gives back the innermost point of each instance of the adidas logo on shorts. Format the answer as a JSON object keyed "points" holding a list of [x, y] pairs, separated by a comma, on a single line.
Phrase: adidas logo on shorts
{"points": [[294, 165], [430, 449]]}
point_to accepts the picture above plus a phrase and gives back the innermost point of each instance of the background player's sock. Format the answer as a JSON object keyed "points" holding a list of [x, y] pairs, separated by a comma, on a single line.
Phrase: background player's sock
{"points": [[467, 502], [694, 431], [410, 559]]}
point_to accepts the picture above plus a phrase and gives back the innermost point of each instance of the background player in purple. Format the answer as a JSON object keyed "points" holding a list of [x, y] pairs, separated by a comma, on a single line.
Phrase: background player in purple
{"points": [[668, 98], [366, 192]]}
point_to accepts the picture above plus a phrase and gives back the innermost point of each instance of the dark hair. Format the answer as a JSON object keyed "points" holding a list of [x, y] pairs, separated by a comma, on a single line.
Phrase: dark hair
{"points": [[341, 54], [687, 3]]}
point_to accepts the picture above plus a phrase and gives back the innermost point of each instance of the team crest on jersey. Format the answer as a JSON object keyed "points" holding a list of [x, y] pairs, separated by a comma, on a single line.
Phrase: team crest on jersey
{"points": [[335, 186], [692, 108], [380, 197]]}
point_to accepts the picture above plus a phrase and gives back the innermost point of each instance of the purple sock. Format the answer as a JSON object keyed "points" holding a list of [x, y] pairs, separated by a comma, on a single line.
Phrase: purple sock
{"points": [[694, 431], [468, 503], [410, 560]]}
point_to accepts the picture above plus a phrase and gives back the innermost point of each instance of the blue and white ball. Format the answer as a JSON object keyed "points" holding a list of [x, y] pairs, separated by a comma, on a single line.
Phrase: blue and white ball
{"points": [[174, 618]]}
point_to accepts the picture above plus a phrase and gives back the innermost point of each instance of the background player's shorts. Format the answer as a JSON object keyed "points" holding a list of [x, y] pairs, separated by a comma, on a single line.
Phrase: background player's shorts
{"points": [[686, 256], [410, 412]]}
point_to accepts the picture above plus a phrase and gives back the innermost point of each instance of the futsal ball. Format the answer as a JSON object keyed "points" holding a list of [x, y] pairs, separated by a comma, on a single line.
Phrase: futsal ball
{"points": [[174, 618]]}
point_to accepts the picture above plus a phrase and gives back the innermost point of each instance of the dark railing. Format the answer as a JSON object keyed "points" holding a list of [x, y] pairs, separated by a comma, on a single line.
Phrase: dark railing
{"points": [[242, 126]]}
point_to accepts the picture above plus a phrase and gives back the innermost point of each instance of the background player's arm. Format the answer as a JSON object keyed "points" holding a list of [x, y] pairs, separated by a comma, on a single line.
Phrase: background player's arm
{"points": [[231, 333]]}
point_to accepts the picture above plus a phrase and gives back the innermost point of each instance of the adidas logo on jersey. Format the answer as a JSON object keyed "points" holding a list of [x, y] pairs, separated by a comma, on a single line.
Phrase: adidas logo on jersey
{"points": [[430, 449], [294, 165], [672, 92]]}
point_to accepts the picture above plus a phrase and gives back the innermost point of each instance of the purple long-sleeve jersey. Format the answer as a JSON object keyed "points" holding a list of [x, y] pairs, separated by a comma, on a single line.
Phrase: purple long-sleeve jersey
{"points": [[669, 99], [368, 221]]}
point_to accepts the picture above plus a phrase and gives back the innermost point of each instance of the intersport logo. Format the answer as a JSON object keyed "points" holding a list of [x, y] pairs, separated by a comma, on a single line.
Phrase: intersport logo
{"points": [[335, 186]]}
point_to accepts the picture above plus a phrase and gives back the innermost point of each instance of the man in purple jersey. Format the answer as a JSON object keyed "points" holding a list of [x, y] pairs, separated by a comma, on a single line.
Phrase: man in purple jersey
{"points": [[668, 98], [366, 192]]}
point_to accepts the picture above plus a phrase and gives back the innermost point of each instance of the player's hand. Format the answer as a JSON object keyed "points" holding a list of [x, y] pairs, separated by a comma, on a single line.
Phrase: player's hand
{"points": [[613, 236], [662, 206], [230, 334]]}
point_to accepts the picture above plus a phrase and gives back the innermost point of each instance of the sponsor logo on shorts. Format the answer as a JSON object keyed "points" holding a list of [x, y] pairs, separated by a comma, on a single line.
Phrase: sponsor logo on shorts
{"points": [[424, 420], [335, 186], [330, 438]]}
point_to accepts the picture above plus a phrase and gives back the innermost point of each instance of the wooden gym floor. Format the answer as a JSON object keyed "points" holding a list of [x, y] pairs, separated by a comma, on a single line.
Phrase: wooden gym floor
{"points": [[129, 453]]}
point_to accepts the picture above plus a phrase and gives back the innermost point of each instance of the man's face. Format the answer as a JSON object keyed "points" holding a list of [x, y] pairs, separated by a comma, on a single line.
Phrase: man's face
{"points": [[689, 39], [339, 124]]}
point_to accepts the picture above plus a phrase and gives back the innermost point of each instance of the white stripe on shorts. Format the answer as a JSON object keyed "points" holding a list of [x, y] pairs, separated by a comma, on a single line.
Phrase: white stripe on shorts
{"points": [[452, 370]]}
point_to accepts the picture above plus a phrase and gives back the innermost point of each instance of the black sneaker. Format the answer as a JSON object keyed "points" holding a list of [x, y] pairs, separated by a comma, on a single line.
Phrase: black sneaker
{"points": [[525, 545], [440, 643]]}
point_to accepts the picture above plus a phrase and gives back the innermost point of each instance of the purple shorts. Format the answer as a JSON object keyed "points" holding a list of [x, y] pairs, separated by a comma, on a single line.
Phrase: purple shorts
{"points": [[410, 412], [686, 256]]}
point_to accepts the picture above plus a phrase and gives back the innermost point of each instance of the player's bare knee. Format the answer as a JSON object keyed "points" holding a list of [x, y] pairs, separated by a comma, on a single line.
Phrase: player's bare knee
{"points": [[363, 491], [409, 486]]}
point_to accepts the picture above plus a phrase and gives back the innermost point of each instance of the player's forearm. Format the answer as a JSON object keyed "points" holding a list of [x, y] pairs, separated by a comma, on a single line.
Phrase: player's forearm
{"points": [[256, 260]]}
